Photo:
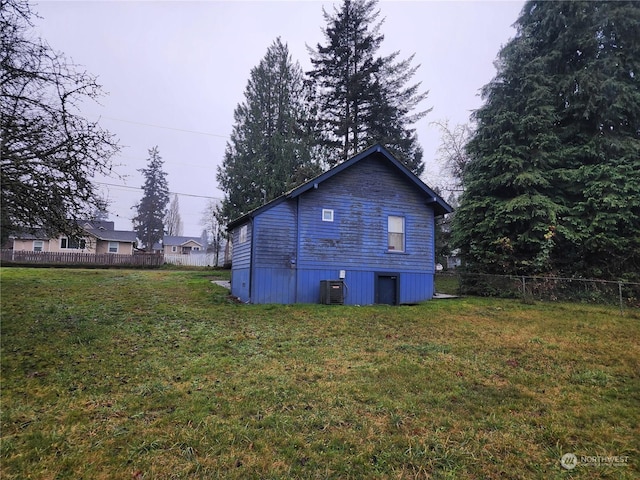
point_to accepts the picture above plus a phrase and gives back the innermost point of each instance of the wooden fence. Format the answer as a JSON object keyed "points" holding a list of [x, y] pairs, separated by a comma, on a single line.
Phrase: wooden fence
{"points": [[74, 258]]}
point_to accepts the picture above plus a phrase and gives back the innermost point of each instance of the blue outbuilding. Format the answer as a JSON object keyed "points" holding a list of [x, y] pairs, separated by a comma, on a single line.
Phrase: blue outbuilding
{"points": [[361, 233]]}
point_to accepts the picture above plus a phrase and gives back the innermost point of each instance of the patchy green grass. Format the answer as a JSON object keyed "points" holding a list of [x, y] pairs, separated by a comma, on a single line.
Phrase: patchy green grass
{"points": [[448, 283], [130, 374]]}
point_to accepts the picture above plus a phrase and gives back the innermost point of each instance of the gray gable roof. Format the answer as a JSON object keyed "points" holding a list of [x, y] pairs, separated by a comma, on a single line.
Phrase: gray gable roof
{"points": [[433, 199], [175, 240], [38, 234], [97, 224], [179, 240], [109, 235], [113, 235]]}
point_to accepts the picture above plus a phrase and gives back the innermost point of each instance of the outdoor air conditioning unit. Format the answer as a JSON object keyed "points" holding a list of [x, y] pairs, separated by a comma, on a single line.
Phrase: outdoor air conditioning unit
{"points": [[332, 292]]}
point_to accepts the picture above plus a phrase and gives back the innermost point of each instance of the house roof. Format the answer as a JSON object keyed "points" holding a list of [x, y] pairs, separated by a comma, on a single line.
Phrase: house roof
{"points": [[174, 240], [112, 235], [102, 231], [177, 240], [38, 234], [97, 224], [378, 151]]}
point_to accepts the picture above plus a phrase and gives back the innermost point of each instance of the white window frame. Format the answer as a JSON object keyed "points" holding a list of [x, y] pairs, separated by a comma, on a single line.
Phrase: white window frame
{"points": [[174, 248], [38, 245], [327, 215], [66, 241], [396, 230], [110, 248], [242, 234]]}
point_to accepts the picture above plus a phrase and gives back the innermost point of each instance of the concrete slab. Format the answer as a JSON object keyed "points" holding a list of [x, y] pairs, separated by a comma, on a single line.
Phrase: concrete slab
{"points": [[443, 296]]}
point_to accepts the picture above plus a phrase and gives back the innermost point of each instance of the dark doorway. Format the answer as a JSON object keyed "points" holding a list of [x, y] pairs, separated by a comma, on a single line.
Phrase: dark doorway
{"points": [[387, 289]]}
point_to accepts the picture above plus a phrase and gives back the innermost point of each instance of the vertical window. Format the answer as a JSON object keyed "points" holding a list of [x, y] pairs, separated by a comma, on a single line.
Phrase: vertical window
{"points": [[174, 248], [327, 215], [242, 234], [38, 246], [395, 229], [113, 247]]}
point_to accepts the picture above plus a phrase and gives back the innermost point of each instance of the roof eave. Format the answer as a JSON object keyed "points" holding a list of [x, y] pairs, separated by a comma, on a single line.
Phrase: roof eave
{"points": [[440, 208]]}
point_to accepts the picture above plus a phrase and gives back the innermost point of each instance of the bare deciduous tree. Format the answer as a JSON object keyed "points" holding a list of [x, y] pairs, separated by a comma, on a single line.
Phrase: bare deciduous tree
{"points": [[213, 225], [48, 152], [452, 151], [173, 220]]}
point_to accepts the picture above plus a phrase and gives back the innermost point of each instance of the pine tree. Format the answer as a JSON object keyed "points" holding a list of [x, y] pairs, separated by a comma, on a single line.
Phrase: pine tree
{"points": [[268, 153], [362, 98], [553, 181], [152, 209]]}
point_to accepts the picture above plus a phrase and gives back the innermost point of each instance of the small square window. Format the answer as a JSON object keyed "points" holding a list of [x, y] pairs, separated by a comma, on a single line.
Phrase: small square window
{"points": [[113, 247], [38, 246], [174, 248], [327, 215]]}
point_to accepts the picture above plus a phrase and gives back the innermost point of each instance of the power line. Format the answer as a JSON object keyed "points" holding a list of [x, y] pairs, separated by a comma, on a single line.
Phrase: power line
{"points": [[169, 161], [166, 128], [171, 193]]}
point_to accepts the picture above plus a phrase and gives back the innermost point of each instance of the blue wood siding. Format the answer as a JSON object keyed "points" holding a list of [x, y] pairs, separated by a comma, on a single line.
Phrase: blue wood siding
{"points": [[275, 237], [241, 264], [274, 263], [241, 256], [294, 249], [240, 283], [362, 198], [360, 286], [273, 285], [416, 287]]}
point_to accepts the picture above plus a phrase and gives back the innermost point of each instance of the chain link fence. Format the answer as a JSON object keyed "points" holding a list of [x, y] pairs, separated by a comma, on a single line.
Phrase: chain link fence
{"points": [[624, 294]]}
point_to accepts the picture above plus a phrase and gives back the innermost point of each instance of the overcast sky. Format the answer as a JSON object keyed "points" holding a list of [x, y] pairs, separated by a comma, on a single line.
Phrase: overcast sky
{"points": [[175, 71]]}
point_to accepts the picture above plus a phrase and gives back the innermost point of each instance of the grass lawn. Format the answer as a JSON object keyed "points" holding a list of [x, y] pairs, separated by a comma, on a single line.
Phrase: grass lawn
{"points": [[130, 374]]}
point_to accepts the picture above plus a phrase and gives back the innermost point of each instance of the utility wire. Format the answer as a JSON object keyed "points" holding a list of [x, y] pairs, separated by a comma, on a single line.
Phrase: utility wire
{"points": [[166, 128], [171, 193]]}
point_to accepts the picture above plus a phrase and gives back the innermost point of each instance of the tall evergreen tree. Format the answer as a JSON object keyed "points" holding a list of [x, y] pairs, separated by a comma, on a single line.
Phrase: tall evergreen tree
{"points": [[268, 152], [554, 177], [362, 98], [152, 209]]}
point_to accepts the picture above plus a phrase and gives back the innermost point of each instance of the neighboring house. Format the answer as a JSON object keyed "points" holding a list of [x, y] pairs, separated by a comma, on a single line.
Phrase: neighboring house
{"points": [[97, 237], [181, 245], [454, 261], [369, 222]]}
